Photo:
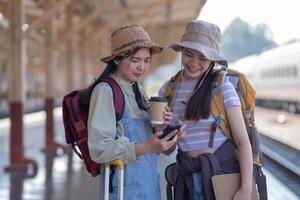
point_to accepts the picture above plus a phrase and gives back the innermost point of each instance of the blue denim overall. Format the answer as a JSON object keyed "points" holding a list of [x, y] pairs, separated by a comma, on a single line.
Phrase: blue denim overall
{"points": [[141, 179]]}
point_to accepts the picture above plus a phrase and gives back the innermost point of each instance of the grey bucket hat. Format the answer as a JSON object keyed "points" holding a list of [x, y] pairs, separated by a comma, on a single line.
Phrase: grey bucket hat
{"points": [[203, 37]]}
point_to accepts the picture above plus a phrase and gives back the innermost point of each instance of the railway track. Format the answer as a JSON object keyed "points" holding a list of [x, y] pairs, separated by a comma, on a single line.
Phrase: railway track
{"points": [[283, 162]]}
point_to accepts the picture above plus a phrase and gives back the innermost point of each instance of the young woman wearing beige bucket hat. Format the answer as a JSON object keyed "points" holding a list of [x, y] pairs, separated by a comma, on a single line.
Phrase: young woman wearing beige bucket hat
{"points": [[132, 140], [191, 89]]}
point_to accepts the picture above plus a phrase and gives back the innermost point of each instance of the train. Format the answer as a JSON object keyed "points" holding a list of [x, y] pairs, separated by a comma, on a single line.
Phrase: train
{"points": [[275, 75]]}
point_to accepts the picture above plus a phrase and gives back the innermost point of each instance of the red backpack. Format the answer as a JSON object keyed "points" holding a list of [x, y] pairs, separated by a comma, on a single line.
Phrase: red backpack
{"points": [[75, 117]]}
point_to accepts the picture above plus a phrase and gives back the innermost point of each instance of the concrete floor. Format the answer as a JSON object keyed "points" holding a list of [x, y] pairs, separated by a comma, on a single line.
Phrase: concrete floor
{"points": [[59, 176], [62, 176]]}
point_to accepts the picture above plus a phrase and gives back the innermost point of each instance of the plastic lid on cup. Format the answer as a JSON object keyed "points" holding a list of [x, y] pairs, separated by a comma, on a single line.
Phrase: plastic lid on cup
{"points": [[158, 99]]}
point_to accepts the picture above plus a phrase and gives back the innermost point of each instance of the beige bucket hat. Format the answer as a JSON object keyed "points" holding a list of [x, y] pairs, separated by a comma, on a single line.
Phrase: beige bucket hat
{"points": [[127, 38], [203, 37]]}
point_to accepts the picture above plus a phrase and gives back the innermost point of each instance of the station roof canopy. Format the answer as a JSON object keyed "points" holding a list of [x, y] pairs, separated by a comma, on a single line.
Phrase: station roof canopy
{"points": [[92, 21]]}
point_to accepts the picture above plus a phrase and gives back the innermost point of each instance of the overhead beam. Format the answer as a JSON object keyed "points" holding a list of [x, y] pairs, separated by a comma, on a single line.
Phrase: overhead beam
{"points": [[120, 12], [37, 12], [41, 20], [147, 19], [175, 13], [35, 36], [89, 19]]}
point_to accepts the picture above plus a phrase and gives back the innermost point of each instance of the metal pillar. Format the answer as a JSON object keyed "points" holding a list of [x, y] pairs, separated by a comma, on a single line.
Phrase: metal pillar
{"points": [[50, 68], [17, 88]]}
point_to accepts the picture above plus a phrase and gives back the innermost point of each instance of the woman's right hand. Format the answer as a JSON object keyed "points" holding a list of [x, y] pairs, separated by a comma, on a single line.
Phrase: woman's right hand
{"points": [[159, 145], [168, 115], [154, 144]]}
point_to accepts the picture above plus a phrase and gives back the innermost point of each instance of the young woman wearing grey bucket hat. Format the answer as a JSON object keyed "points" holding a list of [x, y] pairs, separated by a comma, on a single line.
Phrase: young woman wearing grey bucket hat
{"points": [[132, 140], [190, 95]]}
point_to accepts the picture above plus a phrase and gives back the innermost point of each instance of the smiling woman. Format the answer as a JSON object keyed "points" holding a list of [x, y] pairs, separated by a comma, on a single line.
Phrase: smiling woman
{"points": [[194, 63], [189, 93]]}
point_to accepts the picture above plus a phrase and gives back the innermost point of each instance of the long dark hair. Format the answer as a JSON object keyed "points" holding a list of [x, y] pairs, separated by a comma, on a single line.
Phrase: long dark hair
{"points": [[86, 94], [198, 106], [111, 68]]}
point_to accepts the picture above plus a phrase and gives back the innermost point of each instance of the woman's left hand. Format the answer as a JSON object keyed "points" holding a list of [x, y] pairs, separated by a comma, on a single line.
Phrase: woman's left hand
{"points": [[242, 195], [168, 115], [181, 132]]}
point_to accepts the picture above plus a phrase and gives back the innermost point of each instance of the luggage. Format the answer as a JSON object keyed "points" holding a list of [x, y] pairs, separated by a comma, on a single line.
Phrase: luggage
{"points": [[120, 167], [170, 175]]}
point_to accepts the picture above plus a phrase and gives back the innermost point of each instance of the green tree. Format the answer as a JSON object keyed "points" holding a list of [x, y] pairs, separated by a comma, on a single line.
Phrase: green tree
{"points": [[240, 39]]}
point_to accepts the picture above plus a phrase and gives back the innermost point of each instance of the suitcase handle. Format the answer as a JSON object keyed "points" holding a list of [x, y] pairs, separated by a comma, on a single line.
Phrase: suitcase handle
{"points": [[120, 166], [118, 163]]}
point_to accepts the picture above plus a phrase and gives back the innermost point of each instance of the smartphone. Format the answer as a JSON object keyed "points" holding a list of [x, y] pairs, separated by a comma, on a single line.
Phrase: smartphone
{"points": [[169, 129]]}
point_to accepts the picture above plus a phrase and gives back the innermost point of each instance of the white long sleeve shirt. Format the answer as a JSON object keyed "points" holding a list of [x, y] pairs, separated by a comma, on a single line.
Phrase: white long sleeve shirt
{"points": [[102, 130]]}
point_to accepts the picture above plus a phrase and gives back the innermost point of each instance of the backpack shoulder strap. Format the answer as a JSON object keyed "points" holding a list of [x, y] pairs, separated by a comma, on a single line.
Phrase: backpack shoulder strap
{"points": [[118, 96], [217, 103], [246, 95], [247, 92], [244, 89], [171, 86]]}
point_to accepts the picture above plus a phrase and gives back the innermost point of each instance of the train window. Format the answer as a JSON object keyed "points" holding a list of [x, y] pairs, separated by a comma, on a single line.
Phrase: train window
{"points": [[277, 72], [288, 71], [280, 72], [292, 71], [285, 71]]}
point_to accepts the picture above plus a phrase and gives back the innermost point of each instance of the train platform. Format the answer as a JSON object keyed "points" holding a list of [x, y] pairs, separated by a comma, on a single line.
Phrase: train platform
{"points": [[62, 176], [280, 126]]}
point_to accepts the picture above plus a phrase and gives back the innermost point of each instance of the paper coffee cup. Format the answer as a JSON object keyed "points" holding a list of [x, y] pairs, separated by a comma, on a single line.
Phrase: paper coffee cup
{"points": [[157, 107]]}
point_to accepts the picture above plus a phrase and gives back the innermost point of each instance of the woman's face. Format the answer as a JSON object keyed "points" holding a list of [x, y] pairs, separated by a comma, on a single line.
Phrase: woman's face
{"points": [[134, 67], [194, 63]]}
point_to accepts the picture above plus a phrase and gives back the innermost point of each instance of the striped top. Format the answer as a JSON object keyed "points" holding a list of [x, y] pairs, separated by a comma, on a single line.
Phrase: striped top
{"points": [[197, 132]]}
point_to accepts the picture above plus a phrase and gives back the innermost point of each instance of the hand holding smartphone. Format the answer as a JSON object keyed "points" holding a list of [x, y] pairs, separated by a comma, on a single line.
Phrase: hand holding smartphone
{"points": [[169, 129]]}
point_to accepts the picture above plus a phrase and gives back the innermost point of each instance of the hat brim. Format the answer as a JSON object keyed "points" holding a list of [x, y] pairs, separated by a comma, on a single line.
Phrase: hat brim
{"points": [[205, 50], [155, 48]]}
